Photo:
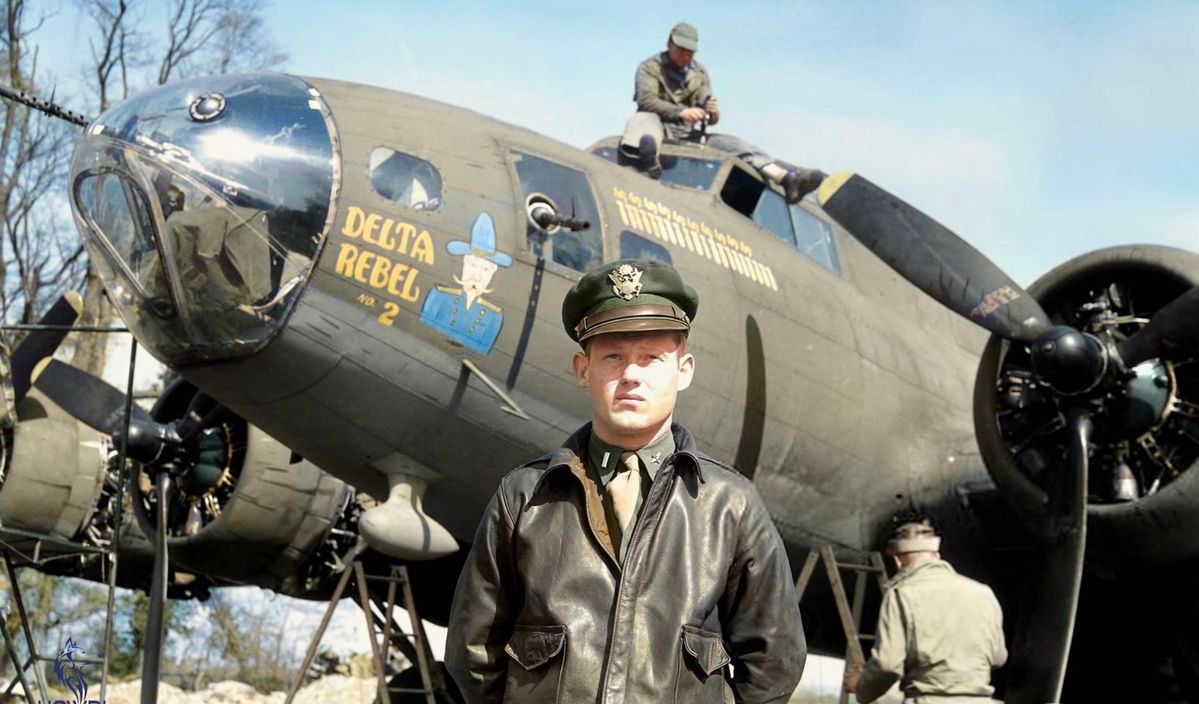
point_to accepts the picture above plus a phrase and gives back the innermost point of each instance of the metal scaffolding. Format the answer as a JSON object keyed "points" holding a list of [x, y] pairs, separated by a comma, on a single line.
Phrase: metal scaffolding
{"points": [[65, 547]]}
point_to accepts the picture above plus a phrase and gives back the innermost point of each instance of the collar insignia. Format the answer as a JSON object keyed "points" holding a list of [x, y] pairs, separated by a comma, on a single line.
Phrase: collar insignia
{"points": [[656, 457], [626, 281]]}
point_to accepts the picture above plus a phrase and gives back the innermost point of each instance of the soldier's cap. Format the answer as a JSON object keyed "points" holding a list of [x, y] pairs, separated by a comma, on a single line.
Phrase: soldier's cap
{"points": [[629, 295], [914, 537], [685, 36]]}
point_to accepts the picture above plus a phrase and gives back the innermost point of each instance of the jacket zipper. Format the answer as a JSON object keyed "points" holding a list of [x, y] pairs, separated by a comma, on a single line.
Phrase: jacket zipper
{"points": [[655, 491]]}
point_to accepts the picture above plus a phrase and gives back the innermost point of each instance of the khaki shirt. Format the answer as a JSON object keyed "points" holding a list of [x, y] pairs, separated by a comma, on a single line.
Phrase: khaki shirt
{"points": [[939, 633], [604, 460], [666, 91]]}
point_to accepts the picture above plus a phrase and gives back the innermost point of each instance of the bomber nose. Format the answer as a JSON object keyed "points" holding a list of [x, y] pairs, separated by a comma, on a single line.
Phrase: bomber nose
{"points": [[203, 204]]}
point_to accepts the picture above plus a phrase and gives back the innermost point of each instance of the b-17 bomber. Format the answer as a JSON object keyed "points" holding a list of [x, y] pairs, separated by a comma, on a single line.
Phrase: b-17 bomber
{"points": [[361, 288]]}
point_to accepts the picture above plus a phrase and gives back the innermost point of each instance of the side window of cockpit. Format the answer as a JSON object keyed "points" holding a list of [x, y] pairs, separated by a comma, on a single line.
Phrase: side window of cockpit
{"points": [[570, 192], [741, 191], [411, 182], [814, 237], [771, 213], [792, 224]]}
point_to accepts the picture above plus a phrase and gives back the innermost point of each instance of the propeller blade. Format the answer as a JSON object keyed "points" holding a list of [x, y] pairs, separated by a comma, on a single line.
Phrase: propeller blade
{"points": [[1172, 334], [156, 615], [88, 398], [39, 344], [1042, 645], [933, 258]]}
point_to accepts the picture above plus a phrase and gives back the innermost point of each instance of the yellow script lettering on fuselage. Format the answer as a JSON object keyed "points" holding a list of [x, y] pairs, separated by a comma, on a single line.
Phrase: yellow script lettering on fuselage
{"points": [[680, 231], [374, 259]]}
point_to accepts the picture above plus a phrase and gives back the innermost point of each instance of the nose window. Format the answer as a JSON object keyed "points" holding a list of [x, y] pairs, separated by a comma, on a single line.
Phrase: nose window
{"points": [[118, 209], [205, 230]]}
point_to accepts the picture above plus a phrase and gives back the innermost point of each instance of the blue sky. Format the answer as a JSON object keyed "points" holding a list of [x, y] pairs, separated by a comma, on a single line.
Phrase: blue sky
{"points": [[1036, 130]]}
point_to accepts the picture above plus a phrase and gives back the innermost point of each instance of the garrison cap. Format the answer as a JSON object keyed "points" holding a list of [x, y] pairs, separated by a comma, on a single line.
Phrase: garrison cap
{"points": [[628, 295], [685, 36], [914, 536]]}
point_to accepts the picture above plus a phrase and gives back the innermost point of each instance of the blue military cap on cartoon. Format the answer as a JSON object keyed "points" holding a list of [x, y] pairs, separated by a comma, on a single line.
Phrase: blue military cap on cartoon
{"points": [[461, 313]]}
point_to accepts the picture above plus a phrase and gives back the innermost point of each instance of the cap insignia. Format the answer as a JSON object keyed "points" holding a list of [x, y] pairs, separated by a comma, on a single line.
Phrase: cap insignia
{"points": [[626, 281]]}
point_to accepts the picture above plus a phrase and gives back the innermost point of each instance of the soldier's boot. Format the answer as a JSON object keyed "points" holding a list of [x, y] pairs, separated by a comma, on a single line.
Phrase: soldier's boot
{"points": [[799, 183], [647, 157]]}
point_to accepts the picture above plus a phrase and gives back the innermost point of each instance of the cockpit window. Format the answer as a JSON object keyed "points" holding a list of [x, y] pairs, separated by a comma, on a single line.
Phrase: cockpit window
{"points": [[411, 182], [689, 172], [741, 191], [684, 171]]}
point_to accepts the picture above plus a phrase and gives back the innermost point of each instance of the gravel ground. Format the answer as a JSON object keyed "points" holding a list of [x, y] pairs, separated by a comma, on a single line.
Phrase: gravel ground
{"points": [[332, 688]]}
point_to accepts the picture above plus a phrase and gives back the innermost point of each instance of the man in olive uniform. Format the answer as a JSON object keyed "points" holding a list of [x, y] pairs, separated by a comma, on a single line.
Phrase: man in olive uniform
{"points": [[627, 566], [955, 620], [674, 99]]}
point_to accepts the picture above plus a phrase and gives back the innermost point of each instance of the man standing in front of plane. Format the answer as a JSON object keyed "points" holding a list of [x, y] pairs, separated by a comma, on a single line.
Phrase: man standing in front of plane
{"points": [[627, 566]]}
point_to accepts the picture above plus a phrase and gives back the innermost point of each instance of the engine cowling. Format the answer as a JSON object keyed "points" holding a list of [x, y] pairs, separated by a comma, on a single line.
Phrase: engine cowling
{"points": [[1144, 486], [52, 470], [250, 510]]}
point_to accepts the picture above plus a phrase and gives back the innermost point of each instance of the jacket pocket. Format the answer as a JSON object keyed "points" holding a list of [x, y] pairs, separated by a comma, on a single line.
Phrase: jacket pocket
{"points": [[535, 673], [702, 664]]}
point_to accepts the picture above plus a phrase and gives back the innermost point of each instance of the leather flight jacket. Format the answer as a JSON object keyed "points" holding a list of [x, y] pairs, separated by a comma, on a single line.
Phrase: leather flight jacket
{"points": [[544, 612]]}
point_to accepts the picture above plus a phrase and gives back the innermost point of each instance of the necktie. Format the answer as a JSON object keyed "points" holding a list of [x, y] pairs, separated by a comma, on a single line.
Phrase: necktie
{"points": [[625, 489]]}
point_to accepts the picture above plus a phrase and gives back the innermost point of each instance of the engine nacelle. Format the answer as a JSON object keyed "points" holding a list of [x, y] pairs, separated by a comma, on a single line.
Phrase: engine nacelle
{"points": [[52, 470], [1143, 490], [248, 512], [251, 511]]}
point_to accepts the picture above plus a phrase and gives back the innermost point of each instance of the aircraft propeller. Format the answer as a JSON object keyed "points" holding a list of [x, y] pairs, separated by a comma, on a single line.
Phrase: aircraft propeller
{"points": [[39, 344], [959, 277], [170, 450], [1078, 367], [100, 406]]}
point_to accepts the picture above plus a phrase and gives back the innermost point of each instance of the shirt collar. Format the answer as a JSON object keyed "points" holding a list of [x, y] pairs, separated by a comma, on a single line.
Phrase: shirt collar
{"points": [[605, 458], [920, 566], [686, 453]]}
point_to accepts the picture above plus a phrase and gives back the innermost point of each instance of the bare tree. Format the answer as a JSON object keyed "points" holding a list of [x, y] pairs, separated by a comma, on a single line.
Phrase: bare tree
{"points": [[242, 41], [40, 258], [115, 48], [191, 26], [248, 642]]}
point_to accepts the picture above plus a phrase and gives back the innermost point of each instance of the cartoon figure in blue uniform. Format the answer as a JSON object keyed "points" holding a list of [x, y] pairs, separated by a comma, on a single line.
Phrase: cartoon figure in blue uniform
{"points": [[461, 313]]}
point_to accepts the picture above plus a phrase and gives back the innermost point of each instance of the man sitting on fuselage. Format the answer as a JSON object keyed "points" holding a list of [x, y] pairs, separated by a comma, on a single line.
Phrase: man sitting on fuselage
{"points": [[675, 102]]}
